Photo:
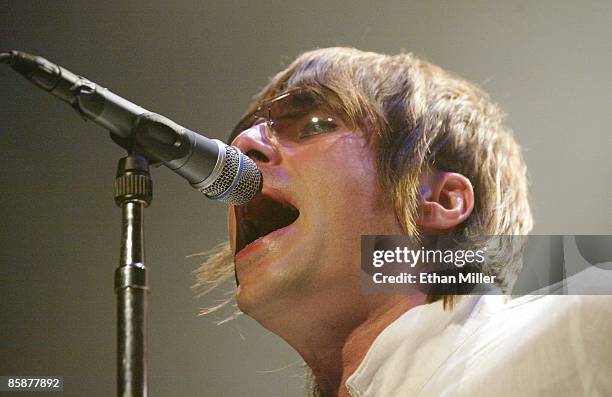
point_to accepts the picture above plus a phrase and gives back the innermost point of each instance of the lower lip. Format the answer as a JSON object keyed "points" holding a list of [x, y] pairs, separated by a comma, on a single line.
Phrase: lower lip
{"points": [[253, 246]]}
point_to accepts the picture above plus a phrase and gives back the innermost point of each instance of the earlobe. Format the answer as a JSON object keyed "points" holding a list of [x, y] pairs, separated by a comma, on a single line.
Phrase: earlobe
{"points": [[446, 200]]}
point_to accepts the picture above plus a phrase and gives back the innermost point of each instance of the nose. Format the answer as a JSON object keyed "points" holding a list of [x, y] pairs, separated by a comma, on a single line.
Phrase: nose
{"points": [[255, 143]]}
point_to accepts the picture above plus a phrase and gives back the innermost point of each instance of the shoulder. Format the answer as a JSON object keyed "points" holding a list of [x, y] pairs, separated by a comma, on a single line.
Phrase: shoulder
{"points": [[552, 311], [554, 343], [546, 322], [534, 345]]}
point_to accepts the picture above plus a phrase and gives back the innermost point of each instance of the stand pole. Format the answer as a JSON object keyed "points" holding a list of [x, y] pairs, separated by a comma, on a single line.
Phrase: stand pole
{"points": [[133, 192]]}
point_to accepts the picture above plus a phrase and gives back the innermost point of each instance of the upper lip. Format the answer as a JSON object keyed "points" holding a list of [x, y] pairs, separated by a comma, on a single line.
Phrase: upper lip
{"points": [[270, 210]]}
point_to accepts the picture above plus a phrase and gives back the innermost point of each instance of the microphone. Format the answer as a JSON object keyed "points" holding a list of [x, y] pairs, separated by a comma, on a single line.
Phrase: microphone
{"points": [[219, 171]]}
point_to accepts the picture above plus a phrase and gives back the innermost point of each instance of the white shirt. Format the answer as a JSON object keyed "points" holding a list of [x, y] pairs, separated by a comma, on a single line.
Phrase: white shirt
{"points": [[530, 346]]}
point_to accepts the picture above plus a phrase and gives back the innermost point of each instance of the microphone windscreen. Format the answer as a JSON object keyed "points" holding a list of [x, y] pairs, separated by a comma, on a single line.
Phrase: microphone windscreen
{"points": [[239, 181]]}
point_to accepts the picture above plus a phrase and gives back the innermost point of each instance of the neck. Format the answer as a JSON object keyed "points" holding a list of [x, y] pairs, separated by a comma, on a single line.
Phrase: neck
{"points": [[334, 341]]}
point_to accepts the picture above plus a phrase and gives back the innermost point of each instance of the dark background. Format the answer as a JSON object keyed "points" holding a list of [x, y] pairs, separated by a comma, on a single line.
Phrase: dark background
{"points": [[199, 62]]}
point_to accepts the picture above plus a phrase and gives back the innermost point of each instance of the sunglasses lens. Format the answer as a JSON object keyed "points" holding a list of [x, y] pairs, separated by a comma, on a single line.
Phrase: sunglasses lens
{"points": [[292, 117], [300, 115]]}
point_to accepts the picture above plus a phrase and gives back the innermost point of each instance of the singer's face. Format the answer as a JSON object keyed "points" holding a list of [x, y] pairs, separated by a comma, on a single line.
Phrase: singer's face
{"points": [[297, 245]]}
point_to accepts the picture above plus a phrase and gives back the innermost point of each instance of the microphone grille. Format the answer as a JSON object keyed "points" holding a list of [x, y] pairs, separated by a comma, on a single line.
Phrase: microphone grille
{"points": [[239, 180]]}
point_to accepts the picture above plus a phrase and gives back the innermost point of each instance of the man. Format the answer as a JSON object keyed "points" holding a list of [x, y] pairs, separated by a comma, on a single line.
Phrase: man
{"points": [[352, 143]]}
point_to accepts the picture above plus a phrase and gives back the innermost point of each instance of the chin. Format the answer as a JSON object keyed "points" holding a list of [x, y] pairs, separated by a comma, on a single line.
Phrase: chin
{"points": [[263, 301], [276, 283]]}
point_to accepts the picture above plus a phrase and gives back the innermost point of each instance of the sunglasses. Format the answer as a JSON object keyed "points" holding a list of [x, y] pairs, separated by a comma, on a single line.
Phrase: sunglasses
{"points": [[292, 117]]}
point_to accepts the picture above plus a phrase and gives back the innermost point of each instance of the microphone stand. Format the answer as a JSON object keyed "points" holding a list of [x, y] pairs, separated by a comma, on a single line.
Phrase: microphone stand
{"points": [[220, 172], [133, 193]]}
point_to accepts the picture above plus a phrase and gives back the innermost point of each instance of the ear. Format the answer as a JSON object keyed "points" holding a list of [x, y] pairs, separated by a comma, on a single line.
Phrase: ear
{"points": [[446, 200]]}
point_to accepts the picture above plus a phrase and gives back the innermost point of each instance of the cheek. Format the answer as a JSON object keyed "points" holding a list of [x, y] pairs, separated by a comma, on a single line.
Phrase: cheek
{"points": [[341, 189], [347, 173]]}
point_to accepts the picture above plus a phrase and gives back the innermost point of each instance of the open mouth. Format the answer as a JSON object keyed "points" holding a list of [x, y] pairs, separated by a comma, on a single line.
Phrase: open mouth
{"points": [[260, 217]]}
